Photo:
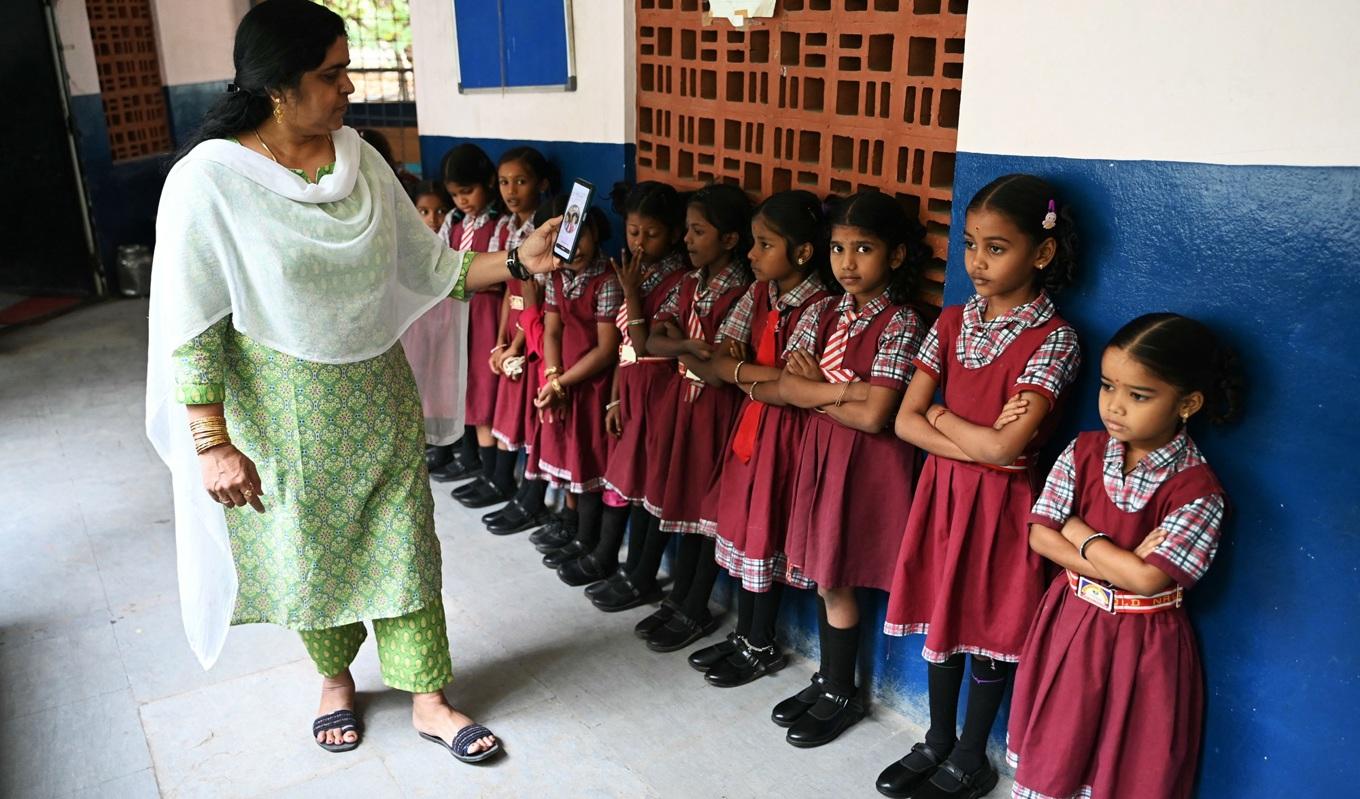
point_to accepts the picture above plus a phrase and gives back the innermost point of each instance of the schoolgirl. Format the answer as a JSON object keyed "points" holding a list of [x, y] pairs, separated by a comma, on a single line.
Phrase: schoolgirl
{"points": [[469, 177], [580, 346], [964, 575], [717, 236], [523, 175], [641, 406], [751, 494], [1109, 696], [849, 360], [430, 347]]}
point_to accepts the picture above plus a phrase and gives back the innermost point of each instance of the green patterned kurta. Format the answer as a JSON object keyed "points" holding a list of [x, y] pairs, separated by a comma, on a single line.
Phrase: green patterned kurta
{"points": [[348, 532]]}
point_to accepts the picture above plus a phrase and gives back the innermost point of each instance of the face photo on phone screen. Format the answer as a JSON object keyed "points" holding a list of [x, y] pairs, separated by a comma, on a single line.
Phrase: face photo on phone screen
{"points": [[578, 203]]}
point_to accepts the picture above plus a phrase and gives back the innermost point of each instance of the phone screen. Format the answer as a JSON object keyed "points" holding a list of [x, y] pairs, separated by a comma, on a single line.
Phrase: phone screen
{"points": [[578, 203]]}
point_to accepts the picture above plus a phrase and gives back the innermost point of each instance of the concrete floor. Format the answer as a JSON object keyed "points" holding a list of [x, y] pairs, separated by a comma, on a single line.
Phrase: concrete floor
{"points": [[100, 696]]}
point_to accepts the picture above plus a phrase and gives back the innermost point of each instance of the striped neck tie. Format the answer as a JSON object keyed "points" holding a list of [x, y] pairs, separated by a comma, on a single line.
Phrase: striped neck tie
{"points": [[833, 355], [694, 329]]}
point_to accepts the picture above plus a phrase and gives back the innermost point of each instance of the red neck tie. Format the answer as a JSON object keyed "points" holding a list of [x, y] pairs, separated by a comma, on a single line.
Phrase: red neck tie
{"points": [[744, 440], [833, 355]]}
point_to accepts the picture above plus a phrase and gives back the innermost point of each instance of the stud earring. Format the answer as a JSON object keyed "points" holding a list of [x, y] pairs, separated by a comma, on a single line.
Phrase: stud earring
{"points": [[802, 261], [278, 112], [1185, 419]]}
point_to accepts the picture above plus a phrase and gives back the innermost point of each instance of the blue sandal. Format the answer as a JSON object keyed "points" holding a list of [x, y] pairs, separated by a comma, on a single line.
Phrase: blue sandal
{"points": [[343, 720], [464, 740]]}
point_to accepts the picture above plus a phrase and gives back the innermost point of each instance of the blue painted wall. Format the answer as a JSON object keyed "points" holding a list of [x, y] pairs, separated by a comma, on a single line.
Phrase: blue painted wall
{"points": [[1265, 255], [188, 103], [603, 165]]}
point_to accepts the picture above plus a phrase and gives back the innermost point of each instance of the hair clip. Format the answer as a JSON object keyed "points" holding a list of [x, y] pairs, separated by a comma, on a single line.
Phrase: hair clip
{"points": [[232, 88], [1051, 218]]}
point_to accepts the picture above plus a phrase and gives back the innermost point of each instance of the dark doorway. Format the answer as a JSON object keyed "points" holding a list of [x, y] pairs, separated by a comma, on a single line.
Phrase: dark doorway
{"points": [[44, 224]]}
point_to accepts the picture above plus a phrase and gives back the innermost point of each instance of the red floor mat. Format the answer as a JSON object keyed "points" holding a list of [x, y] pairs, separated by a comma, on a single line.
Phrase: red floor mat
{"points": [[34, 309]]}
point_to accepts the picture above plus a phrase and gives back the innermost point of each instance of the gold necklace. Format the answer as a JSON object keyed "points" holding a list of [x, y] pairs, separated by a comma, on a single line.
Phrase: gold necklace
{"points": [[329, 138]]}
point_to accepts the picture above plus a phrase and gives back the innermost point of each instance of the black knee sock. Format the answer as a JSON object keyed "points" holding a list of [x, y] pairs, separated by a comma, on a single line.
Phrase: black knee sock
{"points": [[653, 548], [606, 552], [504, 475], [746, 611], [840, 650], [944, 680], [765, 609], [986, 689], [533, 492], [589, 511], [490, 463], [638, 519], [701, 584], [682, 569], [468, 443]]}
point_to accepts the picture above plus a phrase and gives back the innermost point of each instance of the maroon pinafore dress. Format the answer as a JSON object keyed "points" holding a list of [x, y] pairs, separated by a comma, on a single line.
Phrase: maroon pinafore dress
{"points": [[515, 421], [572, 450], [484, 319], [1110, 702], [965, 574], [752, 493], [702, 424], [853, 489], [647, 399]]}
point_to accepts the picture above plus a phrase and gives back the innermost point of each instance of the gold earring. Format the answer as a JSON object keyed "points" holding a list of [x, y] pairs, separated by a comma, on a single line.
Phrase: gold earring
{"points": [[278, 112], [802, 261], [1185, 419]]}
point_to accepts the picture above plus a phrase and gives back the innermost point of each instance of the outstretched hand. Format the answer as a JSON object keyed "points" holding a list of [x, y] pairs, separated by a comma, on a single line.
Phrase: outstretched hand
{"points": [[536, 251]]}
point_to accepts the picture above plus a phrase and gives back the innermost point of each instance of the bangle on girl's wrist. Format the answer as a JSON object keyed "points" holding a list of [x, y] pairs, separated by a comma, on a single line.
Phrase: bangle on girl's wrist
{"points": [[935, 422], [736, 373], [552, 370], [841, 398], [612, 405], [637, 322], [1081, 550], [498, 348], [751, 392]]}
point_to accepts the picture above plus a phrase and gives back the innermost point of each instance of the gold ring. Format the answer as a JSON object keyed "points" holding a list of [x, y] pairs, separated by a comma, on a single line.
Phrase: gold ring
{"points": [[247, 493]]}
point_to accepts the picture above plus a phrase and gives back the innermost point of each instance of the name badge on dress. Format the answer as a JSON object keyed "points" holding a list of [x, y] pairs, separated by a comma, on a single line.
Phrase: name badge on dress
{"points": [[516, 302], [627, 354], [1099, 595]]}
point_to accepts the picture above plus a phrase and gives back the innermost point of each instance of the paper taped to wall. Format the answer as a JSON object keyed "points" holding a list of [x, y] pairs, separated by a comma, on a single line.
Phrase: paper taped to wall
{"points": [[738, 11]]}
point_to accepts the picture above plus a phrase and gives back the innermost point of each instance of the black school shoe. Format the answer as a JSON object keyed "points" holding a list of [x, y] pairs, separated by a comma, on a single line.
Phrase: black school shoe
{"points": [[708, 657], [624, 595], [787, 713], [484, 494], [831, 715], [468, 489], [459, 467], [656, 621], [581, 571], [571, 551], [437, 456], [513, 518], [600, 586], [950, 782], [680, 632], [911, 772], [748, 663]]}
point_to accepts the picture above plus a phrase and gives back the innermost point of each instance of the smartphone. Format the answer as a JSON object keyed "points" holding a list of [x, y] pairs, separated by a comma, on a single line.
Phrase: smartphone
{"points": [[573, 219]]}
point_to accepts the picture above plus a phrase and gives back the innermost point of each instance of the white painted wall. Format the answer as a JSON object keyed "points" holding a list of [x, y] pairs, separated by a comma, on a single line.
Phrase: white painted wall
{"points": [[602, 109], [1210, 81], [195, 38], [73, 31]]}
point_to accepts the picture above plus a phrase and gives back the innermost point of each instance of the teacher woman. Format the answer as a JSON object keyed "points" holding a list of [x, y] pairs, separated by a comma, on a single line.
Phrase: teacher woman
{"points": [[288, 262]]}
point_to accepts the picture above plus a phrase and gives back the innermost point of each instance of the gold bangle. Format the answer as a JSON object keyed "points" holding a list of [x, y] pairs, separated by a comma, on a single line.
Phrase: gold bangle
{"points": [[203, 445], [736, 373], [557, 388], [637, 322], [751, 392], [208, 423], [841, 398], [611, 406], [552, 370]]}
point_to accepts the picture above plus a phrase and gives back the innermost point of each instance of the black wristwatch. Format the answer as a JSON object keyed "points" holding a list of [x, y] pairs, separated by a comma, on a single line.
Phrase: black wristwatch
{"points": [[515, 266]]}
